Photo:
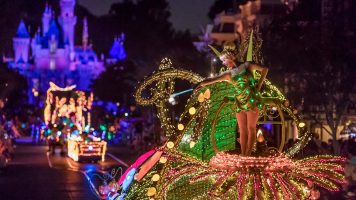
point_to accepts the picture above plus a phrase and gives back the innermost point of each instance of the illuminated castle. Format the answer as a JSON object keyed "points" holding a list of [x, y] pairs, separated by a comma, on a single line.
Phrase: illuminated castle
{"points": [[51, 55]]}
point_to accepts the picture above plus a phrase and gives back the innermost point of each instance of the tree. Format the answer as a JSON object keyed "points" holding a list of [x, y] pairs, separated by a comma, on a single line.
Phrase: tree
{"points": [[314, 48], [12, 88], [116, 83]]}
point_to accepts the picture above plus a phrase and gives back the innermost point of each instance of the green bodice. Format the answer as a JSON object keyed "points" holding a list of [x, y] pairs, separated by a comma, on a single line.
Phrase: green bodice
{"points": [[247, 97]]}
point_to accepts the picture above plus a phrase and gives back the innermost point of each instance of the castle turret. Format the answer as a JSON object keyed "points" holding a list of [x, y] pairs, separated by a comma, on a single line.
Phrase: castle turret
{"points": [[68, 21], [36, 42], [85, 36], [21, 44], [117, 51], [46, 18]]}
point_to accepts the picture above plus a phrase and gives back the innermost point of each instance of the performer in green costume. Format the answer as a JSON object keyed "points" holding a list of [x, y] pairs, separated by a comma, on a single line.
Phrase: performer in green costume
{"points": [[247, 95]]}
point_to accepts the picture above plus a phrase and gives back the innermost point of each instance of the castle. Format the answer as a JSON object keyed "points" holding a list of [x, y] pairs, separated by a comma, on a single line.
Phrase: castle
{"points": [[51, 55]]}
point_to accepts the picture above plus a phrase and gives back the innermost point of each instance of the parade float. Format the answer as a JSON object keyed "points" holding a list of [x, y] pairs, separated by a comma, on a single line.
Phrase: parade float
{"points": [[68, 122], [204, 156]]}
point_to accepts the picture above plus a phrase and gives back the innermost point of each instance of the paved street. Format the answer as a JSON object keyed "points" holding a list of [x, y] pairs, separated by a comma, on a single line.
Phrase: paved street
{"points": [[35, 175]]}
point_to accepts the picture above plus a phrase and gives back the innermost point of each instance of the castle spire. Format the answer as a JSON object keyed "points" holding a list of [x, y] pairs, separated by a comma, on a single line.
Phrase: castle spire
{"points": [[21, 43], [67, 20], [117, 50], [22, 31], [46, 18], [85, 35]]}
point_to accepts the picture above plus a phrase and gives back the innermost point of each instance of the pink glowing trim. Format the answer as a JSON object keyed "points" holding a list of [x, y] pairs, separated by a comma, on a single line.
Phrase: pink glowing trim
{"points": [[136, 164], [148, 165]]}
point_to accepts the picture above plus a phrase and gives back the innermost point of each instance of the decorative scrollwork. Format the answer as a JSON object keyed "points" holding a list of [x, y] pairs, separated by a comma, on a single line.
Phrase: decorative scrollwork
{"points": [[161, 86]]}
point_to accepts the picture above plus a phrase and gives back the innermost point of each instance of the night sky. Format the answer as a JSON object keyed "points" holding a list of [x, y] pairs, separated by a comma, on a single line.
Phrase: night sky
{"points": [[186, 14]]}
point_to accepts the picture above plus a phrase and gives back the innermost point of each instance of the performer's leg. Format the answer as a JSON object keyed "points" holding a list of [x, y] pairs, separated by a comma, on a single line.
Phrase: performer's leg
{"points": [[252, 118], [242, 123]]}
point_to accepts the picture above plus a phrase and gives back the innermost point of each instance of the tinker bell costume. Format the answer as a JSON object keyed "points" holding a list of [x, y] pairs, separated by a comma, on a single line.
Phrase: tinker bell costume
{"points": [[226, 99], [244, 84]]}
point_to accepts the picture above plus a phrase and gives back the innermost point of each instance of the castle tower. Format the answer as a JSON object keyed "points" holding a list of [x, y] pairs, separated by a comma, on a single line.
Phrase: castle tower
{"points": [[36, 42], [46, 18], [67, 21], [117, 51], [21, 44], [85, 36]]}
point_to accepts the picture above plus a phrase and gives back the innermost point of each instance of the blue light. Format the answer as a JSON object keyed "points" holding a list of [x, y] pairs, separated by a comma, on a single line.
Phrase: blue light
{"points": [[87, 128]]}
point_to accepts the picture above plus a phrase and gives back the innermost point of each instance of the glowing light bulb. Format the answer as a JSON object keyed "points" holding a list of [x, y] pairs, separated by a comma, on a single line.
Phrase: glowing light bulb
{"points": [[301, 124], [170, 144], [192, 110], [260, 137], [180, 127]]}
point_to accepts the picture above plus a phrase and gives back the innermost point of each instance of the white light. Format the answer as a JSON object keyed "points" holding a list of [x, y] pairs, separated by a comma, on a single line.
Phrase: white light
{"points": [[126, 114], [214, 60], [90, 148], [211, 74], [171, 100]]}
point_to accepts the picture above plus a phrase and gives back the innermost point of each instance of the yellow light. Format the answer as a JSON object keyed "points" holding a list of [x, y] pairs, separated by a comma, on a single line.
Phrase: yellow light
{"points": [[151, 191], [192, 110], [301, 124], [155, 177], [207, 94], [170, 144], [192, 144], [163, 160], [180, 127], [260, 137], [201, 98]]}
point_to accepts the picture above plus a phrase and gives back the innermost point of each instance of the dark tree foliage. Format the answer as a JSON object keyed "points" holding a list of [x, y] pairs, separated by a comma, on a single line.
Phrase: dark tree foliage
{"points": [[116, 83], [317, 50], [12, 88], [149, 38]]}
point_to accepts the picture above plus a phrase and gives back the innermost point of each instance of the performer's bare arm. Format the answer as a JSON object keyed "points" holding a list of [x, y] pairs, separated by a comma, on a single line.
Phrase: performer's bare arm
{"points": [[216, 79]]}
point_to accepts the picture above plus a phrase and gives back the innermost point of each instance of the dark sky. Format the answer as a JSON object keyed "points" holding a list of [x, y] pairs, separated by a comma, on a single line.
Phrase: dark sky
{"points": [[186, 14]]}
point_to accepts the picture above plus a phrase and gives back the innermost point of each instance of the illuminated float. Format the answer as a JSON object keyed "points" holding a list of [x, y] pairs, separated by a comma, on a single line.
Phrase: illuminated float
{"points": [[67, 116], [201, 159]]}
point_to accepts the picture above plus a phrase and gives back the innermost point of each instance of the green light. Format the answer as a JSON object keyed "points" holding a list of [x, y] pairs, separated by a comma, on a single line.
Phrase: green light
{"points": [[247, 91], [252, 100], [102, 127]]}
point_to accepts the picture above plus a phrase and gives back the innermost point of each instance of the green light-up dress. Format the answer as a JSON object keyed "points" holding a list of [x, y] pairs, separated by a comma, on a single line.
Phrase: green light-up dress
{"points": [[242, 95]]}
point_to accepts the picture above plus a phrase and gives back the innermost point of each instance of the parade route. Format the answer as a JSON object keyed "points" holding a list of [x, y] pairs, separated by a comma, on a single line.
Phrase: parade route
{"points": [[40, 175]]}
